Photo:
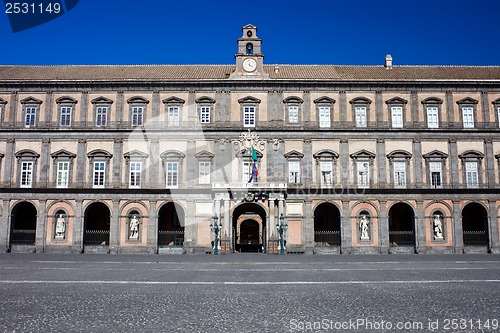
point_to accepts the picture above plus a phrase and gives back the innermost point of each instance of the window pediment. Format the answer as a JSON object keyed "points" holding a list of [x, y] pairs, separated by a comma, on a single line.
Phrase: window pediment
{"points": [[249, 100], [432, 100], [396, 100], [324, 100], [362, 154], [27, 153], [294, 155], [3, 101], [62, 153], [471, 155], [172, 155], [67, 100], [467, 100], [360, 101], [496, 101], [101, 100], [399, 154], [31, 100], [245, 153], [435, 154], [325, 154], [2, 155], [293, 100], [99, 153], [135, 154], [206, 100], [204, 155], [137, 100], [173, 100]]}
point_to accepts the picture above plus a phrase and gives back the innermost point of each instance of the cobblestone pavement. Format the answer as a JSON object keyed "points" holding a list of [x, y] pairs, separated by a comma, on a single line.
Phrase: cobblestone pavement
{"points": [[249, 293]]}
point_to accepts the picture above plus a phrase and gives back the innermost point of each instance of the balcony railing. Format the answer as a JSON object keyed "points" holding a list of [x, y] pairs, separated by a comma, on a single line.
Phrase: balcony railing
{"points": [[23, 236], [96, 237], [173, 238], [475, 237], [327, 238], [401, 237]]}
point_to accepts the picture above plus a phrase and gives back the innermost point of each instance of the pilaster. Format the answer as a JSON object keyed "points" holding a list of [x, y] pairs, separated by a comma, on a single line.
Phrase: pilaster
{"points": [[381, 163], [14, 100], [41, 227], [306, 108], [420, 242], [114, 228], [308, 164], [449, 109], [489, 163], [155, 105], [9, 159], [152, 233], [458, 235], [84, 108], [78, 227], [190, 233], [379, 110], [117, 162], [453, 153], [493, 228], [81, 162], [383, 228], [5, 227], [48, 107], [191, 163], [120, 101], [154, 160], [191, 106], [414, 109], [308, 227], [417, 163], [45, 163], [346, 228], [344, 161], [485, 108], [343, 108]]}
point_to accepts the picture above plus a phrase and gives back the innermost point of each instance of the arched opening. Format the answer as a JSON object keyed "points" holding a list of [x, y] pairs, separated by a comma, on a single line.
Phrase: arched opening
{"points": [[249, 228], [171, 225], [23, 224], [327, 225], [249, 48], [401, 225], [97, 222], [475, 224]]}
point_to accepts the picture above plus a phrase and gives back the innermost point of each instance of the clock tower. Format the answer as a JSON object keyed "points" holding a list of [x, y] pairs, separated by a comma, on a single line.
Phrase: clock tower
{"points": [[249, 59]]}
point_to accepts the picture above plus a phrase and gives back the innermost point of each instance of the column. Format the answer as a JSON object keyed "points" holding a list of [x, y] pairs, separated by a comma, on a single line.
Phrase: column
{"points": [[48, 108], [308, 227], [120, 101], [417, 163], [420, 243], [458, 236], [78, 226], [41, 227], [117, 162], [344, 162], [84, 108], [453, 154], [4, 227], [493, 228], [381, 163], [9, 159], [155, 179], [489, 163], [152, 232], [81, 162], [343, 108], [346, 228], [383, 228], [45, 163], [114, 228], [308, 165]]}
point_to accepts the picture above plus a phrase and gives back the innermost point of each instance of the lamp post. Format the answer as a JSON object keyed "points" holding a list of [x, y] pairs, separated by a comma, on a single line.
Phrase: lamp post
{"points": [[281, 228], [216, 228]]}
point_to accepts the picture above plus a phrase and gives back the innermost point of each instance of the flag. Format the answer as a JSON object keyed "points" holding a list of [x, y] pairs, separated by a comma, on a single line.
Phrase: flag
{"points": [[255, 172], [254, 155]]}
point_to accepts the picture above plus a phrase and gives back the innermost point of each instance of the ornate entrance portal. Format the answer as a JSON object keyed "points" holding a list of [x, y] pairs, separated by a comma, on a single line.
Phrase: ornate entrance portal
{"points": [[249, 228]]}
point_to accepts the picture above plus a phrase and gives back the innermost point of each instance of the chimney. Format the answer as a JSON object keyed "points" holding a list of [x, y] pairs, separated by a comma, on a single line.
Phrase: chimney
{"points": [[276, 69], [388, 62]]}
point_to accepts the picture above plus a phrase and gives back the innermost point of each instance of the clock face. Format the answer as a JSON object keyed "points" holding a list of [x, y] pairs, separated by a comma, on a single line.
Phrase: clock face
{"points": [[249, 65]]}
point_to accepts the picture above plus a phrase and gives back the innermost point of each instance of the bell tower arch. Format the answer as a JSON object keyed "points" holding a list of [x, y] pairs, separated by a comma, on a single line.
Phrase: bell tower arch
{"points": [[249, 59]]}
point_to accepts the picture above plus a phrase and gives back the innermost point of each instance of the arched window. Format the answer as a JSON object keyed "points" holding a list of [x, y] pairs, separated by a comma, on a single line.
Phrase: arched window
{"points": [[249, 48]]}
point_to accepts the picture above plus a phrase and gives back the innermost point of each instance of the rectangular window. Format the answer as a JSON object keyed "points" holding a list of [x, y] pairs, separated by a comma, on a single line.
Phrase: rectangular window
{"points": [[471, 174], [173, 116], [135, 174], [498, 111], [326, 170], [101, 116], [246, 171], [99, 174], [399, 174], [435, 174], [363, 176], [62, 175], [66, 116], [204, 173], [30, 117], [360, 116], [397, 116], [172, 174], [294, 172], [293, 114], [324, 116], [205, 114], [432, 117], [468, 116], [249, 116], [137, 116], [26, 174]]}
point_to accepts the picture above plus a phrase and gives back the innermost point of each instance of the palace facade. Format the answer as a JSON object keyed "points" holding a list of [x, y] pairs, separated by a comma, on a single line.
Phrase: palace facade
{"points": [[352, 159]]}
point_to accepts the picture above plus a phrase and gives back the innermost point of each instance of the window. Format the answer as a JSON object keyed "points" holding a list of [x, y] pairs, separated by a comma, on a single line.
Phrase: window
{"points": [[101, 116], [30, 116], [135, 174], [205, 106], [468, 116], [173, 116], [99, 174], [137, 116], [205, 114], [246, 171], [360, 112], [498, 113], [397, 116], [294, 172], [432, 117], [172, 169], [324, 116], [399, 174], [249, 116], [326, 169], [363, 174], [27, 174], [471, 174], [435, 170], [204, 172], [66, 115], [62, 180], [293, 114]]}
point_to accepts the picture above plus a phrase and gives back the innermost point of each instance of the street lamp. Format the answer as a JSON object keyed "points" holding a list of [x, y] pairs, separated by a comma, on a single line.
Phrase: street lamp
{"points": [[281, 228], [216, 228]]}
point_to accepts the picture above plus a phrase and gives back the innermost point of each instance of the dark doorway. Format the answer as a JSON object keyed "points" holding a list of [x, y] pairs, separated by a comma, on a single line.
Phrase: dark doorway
{"points": [[171, 225], [249, 235], [401, 225], [97, 222], [23, 224], [475, 225], [327, 225]]}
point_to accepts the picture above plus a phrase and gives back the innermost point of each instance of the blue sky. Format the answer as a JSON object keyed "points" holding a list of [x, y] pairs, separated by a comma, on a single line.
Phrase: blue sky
{"points": [[439, 32]]}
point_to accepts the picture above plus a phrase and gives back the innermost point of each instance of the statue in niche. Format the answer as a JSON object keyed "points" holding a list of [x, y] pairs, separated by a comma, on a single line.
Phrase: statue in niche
{"points": [[134, 227], [438, 227], [363, 226], [60, 227]]}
